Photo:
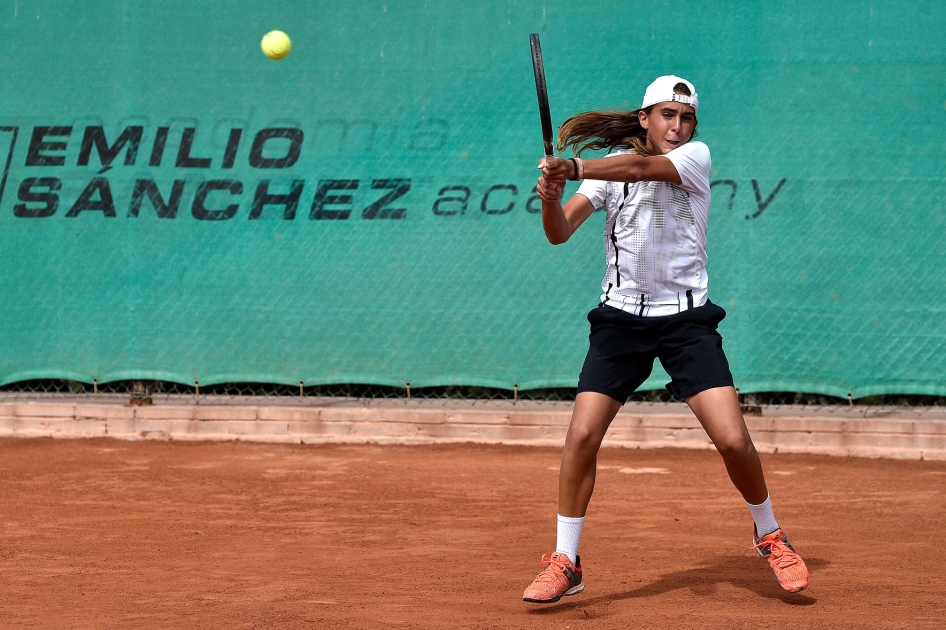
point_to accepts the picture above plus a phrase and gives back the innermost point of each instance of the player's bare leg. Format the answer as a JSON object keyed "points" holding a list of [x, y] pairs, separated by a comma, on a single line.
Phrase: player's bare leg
{"points": [[561, 573], [718, 411], [591, 418]]}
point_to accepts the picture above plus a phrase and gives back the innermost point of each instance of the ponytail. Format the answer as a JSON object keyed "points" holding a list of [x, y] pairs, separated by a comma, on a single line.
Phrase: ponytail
{"points": [[605, 130], [609, 130]]}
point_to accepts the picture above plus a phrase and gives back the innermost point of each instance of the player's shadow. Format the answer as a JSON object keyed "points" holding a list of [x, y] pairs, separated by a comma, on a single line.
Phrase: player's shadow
{"points": [[742, 571]]}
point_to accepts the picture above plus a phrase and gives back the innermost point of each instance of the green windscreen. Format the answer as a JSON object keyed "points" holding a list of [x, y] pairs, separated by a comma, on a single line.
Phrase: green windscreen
{"points": [[176, 206]]}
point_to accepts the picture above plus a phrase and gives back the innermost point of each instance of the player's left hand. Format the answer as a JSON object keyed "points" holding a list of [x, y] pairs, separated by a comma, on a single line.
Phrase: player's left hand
{"points": [[549, 191], [555, 169]]}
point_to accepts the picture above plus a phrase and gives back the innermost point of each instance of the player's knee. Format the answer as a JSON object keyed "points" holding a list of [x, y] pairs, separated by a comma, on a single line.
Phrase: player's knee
{"points": [[583, 438], [737, 446]]}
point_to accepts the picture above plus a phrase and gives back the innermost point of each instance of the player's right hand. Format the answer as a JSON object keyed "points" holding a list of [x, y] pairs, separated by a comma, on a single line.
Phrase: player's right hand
{"points": [[548, 190], [555, 169]]}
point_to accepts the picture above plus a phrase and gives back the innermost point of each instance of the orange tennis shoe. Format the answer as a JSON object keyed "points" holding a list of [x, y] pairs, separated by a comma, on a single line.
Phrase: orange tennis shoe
{"points": [[790, 570], [560, 577]]}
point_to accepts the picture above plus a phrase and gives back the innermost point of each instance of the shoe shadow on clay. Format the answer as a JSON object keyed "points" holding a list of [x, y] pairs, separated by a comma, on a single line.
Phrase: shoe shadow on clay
{"points": [[742, 571]]}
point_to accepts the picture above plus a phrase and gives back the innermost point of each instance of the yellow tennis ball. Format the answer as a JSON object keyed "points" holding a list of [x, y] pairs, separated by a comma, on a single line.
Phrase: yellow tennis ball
{"points": [[275, 44]]}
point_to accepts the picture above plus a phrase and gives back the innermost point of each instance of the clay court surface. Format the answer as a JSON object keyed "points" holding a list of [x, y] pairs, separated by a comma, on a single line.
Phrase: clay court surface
{"points": [[113, 534]]}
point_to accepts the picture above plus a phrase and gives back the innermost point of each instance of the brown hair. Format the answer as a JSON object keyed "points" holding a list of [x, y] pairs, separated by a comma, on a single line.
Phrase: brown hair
{"points": [[609, 129]]}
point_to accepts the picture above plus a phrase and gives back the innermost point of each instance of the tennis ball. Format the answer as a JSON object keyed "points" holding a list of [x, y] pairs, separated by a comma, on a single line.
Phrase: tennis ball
{"points": [[275, 44]]}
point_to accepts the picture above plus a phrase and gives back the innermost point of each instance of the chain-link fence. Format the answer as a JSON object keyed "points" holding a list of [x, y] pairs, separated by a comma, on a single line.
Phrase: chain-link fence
{"points": [[163, 392]]}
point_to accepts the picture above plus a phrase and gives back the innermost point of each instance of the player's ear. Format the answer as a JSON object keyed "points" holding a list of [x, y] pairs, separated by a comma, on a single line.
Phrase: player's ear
{"points": [[642, 118]]}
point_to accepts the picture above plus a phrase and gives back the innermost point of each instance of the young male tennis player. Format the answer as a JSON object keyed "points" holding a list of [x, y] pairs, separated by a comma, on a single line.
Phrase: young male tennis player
{"points": [[655, 187]]}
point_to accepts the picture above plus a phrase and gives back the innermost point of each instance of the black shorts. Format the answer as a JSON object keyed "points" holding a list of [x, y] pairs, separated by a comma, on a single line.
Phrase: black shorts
{"points": [[623, 348]]}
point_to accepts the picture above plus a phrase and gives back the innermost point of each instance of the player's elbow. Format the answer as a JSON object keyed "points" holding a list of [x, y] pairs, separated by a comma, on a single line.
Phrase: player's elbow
{"points": [[557, 237], [557, 232]]}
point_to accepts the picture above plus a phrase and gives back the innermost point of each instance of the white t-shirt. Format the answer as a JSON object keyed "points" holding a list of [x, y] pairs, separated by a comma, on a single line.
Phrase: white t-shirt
{"points": [[655, 236]]}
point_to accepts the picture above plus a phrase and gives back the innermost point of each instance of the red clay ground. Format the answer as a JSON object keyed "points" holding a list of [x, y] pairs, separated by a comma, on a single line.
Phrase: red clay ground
{"points": [[110, 534]]}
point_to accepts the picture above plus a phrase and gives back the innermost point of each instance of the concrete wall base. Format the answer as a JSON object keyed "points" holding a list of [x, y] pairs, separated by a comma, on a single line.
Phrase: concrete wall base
{"points": [[898, 438]]}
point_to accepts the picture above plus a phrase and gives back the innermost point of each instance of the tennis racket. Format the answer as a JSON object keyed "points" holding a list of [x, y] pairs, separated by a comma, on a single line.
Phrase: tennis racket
{"points": [[542, 92]]}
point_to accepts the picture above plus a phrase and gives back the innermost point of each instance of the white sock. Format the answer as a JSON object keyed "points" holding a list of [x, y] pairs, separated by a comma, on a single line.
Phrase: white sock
{"points": [[569, 534], [764, 517]]}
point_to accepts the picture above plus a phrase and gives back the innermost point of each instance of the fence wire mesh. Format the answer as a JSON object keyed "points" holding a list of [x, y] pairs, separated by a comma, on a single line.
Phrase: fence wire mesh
{"points": [[163, 392], [377, 221]]}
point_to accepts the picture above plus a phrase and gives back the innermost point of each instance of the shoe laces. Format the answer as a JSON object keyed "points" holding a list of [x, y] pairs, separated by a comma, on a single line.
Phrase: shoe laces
{"points": [[778, 552], [551, 567]]}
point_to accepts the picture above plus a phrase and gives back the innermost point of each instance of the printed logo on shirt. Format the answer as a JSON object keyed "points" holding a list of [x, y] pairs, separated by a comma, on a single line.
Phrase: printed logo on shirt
{"points": [[680, 202]]}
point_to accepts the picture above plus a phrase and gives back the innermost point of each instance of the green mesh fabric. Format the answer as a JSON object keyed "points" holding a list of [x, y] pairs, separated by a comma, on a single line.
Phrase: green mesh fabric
{"points": [[373, 220]]}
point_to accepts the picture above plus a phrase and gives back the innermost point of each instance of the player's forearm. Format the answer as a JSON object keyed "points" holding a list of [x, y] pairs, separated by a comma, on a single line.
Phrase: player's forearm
{"points": [[619, 168], [632, 168], [555, 223]]}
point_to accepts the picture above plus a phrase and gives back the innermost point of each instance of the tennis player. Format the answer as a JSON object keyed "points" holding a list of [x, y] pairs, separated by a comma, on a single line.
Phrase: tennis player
{"points": [[654, 184]]}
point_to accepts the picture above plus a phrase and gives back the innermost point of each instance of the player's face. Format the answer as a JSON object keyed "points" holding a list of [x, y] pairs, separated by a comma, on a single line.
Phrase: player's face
{"points": [[668, 125]]}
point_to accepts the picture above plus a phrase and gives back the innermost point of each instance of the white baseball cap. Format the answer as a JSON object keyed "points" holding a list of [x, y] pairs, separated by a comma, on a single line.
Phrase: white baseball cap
{"points": [[661, 91]]}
